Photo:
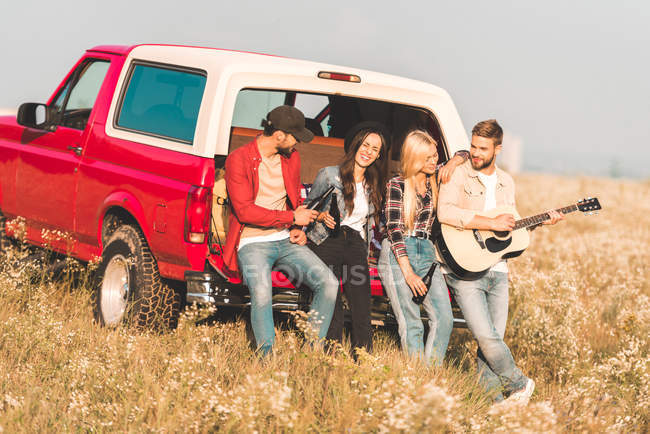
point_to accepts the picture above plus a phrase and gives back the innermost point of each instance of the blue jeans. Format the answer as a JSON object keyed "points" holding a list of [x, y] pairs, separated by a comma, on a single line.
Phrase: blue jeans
{"points": [[436, 304], [484, 303], [301, 266]]}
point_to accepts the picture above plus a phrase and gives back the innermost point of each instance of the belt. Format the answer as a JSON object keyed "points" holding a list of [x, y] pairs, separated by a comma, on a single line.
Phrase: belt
{"points": [[421, 234], [349, 231]]}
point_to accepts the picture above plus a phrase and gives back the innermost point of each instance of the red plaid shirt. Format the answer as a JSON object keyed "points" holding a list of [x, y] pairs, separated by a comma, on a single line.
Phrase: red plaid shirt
{"points": [[395, 226], [425, 212]]}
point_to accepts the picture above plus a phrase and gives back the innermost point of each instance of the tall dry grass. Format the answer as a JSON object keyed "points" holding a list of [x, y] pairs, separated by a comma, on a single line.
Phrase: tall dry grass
{"points": [[579, 325]]}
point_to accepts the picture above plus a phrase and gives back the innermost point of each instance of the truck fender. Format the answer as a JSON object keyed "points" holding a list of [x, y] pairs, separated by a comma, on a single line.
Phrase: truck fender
{"points": [[125, 202]]}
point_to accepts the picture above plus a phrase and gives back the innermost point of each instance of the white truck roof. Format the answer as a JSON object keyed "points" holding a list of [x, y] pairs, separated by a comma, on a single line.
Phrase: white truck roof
{"points": [[229, 71]]}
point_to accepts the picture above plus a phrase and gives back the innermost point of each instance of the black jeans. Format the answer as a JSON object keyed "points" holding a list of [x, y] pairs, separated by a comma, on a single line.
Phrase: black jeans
{"points": [[347, 257]]}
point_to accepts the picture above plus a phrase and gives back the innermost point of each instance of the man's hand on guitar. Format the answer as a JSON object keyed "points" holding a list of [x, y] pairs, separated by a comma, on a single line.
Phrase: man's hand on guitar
{"points": [[503, 223], [302, 216], [472, 254], [555, 217]]}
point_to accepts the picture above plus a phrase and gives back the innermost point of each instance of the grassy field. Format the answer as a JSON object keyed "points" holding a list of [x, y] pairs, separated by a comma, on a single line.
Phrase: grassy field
{"points": [[579, 325]]}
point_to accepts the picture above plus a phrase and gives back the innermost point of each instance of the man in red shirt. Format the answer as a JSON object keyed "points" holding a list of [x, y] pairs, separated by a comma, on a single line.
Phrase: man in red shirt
{"points": [[263, 183]]}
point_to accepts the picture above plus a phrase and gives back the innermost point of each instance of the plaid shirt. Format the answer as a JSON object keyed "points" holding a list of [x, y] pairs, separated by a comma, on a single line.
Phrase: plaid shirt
{"points": [[425, 212], [424, 215]]}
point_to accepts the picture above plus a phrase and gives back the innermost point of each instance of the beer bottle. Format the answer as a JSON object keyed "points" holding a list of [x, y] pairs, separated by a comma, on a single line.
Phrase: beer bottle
{"points": [[418, 299], [336, 215]]}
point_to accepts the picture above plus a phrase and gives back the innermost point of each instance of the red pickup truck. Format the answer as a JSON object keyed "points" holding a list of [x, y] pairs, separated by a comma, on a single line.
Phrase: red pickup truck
{"points": [[127, 157]]}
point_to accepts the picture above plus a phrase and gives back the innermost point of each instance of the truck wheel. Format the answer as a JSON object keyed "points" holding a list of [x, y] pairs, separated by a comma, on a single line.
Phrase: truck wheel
{"points": [[5, 242], [128, 287]]}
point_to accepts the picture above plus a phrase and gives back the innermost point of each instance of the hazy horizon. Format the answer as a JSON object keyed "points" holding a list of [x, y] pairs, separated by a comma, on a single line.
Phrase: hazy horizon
{"points": [[567, 78]]}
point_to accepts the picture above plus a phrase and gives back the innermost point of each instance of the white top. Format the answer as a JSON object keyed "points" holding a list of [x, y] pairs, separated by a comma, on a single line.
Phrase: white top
{"points": [[357, 219], [276, 236], [490, 183]]}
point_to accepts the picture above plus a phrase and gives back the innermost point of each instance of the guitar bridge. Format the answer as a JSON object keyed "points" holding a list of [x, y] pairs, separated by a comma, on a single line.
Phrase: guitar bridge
{"points": [[479, 238]]}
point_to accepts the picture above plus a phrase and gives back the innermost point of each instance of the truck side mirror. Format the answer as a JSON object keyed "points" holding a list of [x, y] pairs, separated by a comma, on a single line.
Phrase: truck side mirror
{"points": [[35, 115]]}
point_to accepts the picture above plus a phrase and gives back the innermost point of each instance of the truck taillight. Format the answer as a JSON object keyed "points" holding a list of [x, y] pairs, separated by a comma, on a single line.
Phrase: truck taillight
{"points": [[197, 214], [339, 76]]}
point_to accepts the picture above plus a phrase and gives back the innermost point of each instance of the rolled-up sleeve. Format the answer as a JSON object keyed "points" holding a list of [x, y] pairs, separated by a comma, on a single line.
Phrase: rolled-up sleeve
{"points": [[394, 219], [450, 195], [462, 153]]}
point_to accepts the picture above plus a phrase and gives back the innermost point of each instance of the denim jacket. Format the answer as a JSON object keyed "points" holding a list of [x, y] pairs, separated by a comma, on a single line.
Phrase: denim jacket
{"points": [[327, 177]]}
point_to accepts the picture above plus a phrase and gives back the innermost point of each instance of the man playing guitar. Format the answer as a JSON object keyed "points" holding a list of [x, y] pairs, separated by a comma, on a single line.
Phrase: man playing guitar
{"points": [[478, 186]]}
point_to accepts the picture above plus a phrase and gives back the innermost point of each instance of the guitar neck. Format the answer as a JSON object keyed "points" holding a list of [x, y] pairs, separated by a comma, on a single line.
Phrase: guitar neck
{"points": [[540, 218]]}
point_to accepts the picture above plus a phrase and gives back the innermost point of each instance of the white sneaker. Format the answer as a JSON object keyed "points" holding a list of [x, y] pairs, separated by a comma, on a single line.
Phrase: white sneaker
{"points": [[523, 395]]}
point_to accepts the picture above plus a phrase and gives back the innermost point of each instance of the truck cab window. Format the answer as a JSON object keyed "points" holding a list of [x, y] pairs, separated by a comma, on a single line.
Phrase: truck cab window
{"points": [[77, 98], [162, 102]]}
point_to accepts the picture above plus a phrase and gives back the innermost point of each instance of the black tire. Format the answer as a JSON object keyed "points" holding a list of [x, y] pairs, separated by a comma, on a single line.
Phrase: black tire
{"points": [[129, 270], [5, 242]]}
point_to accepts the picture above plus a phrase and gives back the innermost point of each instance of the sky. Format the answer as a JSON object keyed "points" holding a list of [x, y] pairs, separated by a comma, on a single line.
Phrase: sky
{"points": [[569, 79]]}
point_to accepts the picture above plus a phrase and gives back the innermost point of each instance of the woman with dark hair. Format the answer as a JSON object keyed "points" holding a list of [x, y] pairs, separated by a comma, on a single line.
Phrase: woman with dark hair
{"points": [[343, 245]]}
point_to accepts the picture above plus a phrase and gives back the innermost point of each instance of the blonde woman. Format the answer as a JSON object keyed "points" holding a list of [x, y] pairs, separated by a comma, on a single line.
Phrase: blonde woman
{"points": [[407, 253]]}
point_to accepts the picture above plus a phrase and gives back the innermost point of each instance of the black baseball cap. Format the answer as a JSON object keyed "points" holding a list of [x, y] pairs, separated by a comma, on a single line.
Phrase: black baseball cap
{"points": [[290, 120]]}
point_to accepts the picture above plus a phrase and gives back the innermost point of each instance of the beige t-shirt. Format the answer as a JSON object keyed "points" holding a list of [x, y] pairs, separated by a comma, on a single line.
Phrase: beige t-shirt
{"points": [[271, 195]]}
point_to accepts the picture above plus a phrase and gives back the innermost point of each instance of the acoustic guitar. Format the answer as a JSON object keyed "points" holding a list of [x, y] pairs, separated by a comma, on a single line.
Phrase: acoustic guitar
{"points": [[470, 253]]}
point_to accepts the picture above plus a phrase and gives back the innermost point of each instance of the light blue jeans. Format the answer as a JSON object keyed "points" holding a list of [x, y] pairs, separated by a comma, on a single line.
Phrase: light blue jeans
{"points": [[302, 267], [484, 303], [436, 304]]}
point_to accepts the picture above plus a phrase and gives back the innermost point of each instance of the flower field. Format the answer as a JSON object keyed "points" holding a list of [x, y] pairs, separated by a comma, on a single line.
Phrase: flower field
{"points": [[579, 325]]}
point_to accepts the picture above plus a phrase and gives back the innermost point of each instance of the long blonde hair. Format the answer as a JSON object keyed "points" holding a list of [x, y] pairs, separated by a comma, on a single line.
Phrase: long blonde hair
{"points": [[417, 145]]}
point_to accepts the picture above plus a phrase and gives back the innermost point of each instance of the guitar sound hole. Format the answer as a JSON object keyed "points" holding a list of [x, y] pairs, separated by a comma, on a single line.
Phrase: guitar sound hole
{"points": [[502, 234], [495, 245]]}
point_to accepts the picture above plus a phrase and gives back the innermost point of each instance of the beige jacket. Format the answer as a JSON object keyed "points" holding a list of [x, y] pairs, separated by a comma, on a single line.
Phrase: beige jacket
{"points": [[463, 196]]}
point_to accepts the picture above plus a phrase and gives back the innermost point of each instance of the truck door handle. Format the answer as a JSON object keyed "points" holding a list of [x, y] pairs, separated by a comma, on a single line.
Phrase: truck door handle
{"points": [[75, 149]]}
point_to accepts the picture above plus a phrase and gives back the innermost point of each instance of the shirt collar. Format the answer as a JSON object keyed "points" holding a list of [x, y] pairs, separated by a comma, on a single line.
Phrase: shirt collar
{"points": [[474, 173], [255, 151]]}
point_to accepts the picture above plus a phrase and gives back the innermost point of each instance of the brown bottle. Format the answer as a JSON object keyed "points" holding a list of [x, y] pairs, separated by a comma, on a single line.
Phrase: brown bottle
{"points": [[334, 212], [418, 299]]}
